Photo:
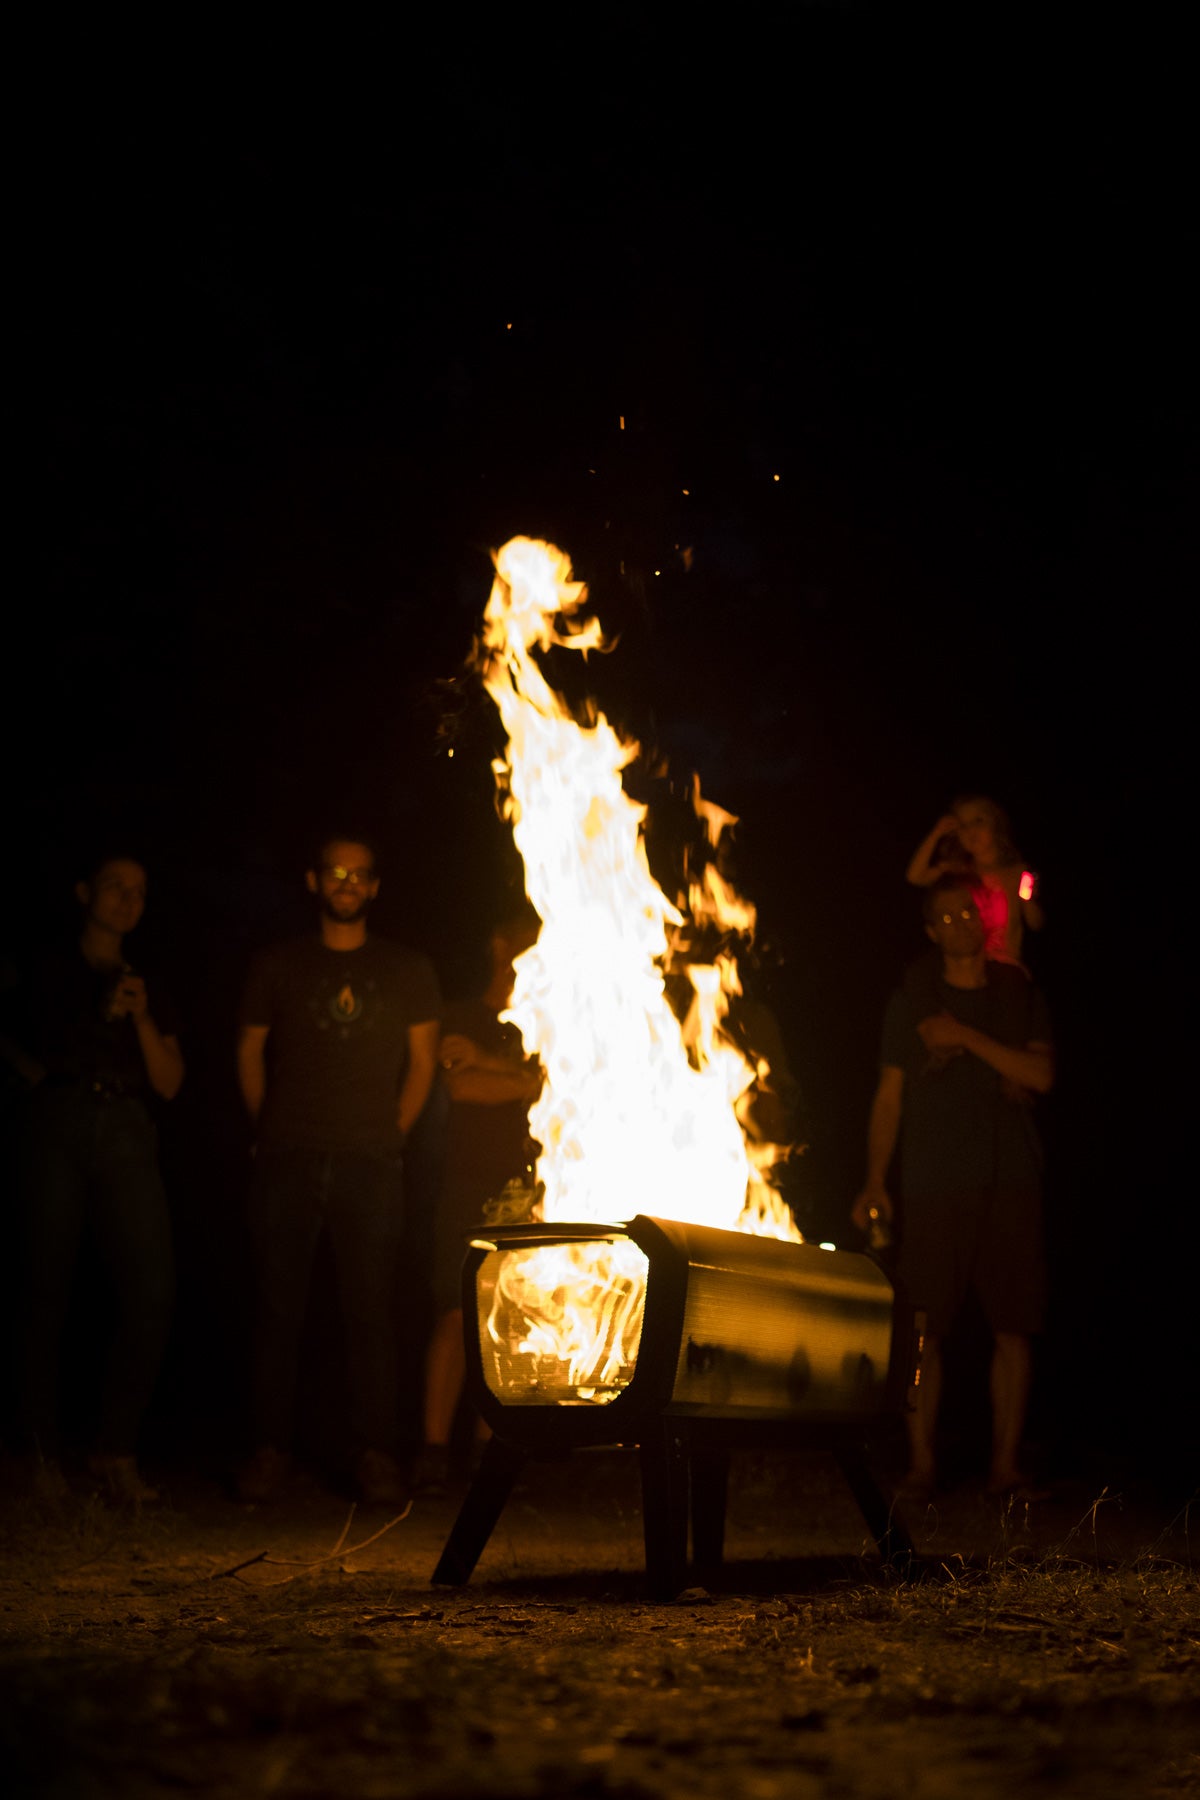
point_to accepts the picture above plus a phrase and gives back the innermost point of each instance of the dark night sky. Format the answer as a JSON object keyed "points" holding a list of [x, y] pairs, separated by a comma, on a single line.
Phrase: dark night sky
{"points": [[288, 382]]}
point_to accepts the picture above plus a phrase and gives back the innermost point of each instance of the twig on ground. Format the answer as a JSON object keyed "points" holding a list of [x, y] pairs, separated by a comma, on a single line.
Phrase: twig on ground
{"points": [[1182, 1518], [290, 1562], [345, 1528], [223, 1574]]}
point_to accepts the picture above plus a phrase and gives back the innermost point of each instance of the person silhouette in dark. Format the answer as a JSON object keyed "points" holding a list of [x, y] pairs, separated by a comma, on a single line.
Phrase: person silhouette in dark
{"points": [[491, 1084], [955, 1091], [99, 1045], [336, 1058]]}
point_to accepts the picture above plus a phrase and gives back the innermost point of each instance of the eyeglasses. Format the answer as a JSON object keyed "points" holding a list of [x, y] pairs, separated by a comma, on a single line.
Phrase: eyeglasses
{"points": [[964, 917], [352, 877]]}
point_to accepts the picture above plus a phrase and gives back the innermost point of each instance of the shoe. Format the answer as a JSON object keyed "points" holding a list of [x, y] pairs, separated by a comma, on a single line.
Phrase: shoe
{"points": [[261, 1478], [122, 1479], [431, 1470], [380, 1482]]}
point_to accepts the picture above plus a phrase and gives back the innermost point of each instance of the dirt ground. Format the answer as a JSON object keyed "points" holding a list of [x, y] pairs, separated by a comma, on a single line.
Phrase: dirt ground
{"points": [[1053, 1648]]}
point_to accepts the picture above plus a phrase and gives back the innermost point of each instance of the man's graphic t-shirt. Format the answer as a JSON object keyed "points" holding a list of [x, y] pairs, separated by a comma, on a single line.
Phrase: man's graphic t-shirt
{"points": [[337, 1045]]}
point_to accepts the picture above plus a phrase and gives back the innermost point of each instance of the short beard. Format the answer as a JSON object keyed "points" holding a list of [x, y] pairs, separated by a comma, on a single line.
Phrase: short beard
{"points": [[346, 918]]}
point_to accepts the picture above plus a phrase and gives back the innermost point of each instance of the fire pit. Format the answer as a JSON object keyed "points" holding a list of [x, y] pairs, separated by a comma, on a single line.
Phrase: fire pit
{"points": [[702, 1341], [704, 1322]]}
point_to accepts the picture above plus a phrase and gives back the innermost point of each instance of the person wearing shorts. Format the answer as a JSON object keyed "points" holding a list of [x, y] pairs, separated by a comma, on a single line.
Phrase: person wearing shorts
{"points": [[955, 1092]]}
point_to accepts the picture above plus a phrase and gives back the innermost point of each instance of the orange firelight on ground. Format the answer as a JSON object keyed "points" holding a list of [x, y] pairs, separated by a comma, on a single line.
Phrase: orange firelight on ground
{"points": [[638, 1113]]}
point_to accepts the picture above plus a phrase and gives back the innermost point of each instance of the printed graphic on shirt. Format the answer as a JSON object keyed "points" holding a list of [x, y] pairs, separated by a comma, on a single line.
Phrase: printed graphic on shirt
{"points": [[346, 1005], [340, 1005]]}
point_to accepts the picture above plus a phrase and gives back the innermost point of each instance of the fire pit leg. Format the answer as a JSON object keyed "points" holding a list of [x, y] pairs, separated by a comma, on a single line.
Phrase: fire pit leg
{"points": [[664, 1459], [710, 1491], [485, 1501], [895, 1545]]}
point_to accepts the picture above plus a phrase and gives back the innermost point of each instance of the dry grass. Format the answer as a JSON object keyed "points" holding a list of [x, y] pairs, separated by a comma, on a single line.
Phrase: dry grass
{"points": [[129, 1668]]}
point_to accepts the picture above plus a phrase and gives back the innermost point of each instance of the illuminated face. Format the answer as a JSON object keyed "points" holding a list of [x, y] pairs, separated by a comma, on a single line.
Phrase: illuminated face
{"points": [[976, 829], [115, 897], [956, 927], [346, 882]]}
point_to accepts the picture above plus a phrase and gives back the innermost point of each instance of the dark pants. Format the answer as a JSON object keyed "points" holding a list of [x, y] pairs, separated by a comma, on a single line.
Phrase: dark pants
{"points": [[358, 1196], [91, 1168]]}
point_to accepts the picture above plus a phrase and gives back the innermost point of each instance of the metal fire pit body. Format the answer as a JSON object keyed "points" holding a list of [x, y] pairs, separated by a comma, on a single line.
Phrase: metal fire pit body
{"points": [[744, 1341]]}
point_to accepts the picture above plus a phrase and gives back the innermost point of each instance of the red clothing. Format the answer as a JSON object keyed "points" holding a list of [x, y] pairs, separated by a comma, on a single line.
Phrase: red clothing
{"points": [[995, 894]]}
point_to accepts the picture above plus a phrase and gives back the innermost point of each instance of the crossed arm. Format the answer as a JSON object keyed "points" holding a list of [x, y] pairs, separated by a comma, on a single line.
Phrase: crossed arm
{"points": [[1030, 1068], [484, 1077]]}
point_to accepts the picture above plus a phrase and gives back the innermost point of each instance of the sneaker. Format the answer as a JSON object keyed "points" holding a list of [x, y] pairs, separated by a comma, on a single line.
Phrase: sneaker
{"points": [[380, 1482], [122, 1479], [262, 1477], [431, 1470]]}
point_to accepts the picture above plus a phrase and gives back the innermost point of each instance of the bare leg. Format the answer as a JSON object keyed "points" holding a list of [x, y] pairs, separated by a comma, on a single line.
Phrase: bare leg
{"points": [[922, 1424], [1012, 1372], [444, 1375]]}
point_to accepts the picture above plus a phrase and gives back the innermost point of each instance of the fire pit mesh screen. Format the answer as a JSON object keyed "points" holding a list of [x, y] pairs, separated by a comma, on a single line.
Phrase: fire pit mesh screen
{"points": [[725, 1324], [560, 1323]]}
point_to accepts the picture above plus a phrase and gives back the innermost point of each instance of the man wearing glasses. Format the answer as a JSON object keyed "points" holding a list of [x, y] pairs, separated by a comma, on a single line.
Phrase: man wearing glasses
{"points": [[336, 1058], [960, 1067]]}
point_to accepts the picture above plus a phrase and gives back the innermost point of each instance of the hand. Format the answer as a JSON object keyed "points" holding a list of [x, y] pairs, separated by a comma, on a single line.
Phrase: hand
{"points": [[458, 1052], [129, 999], [872, 1202], [947, 826], [942, 1031]]}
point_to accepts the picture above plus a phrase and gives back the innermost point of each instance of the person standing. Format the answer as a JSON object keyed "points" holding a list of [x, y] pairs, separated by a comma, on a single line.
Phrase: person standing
{"points": [[336, 1057], [955, 1089], [491, 1085], [98, 1044]]}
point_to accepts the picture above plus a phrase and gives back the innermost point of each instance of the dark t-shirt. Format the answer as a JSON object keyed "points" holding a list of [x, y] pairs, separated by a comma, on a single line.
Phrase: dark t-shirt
{"points": [[962, 1130], [63, 1003], [337, 1049]]}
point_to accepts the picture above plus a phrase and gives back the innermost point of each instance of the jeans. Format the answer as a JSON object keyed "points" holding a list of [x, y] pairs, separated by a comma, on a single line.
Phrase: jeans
{"points": [[91, 1167], [358, 1195]]}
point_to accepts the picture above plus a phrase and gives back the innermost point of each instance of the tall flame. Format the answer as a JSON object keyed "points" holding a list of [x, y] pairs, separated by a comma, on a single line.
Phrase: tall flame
{"points": [[637, 1113]]}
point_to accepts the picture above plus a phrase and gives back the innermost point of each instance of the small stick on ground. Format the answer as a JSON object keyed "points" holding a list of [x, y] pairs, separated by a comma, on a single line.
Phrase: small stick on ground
{"points": [[289, 1562]]}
